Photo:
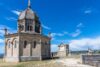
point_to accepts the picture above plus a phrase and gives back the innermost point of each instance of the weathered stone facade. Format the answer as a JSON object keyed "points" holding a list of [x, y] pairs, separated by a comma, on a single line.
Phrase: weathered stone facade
{"points": [[28, 43], [63, 50]]}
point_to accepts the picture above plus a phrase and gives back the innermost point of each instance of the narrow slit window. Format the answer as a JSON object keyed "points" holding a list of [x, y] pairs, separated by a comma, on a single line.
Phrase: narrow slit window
{"points": [[15, 44], [25, 44], [9, 44], [34, 45]]}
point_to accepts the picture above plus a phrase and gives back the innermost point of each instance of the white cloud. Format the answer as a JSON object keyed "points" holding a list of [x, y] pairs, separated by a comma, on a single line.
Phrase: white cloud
{"points": [[88, 11], [1, 49], [1, 32], [1, 41], [78, 30], [72, 34], [65, 32], [59, 34], [54, 48], [80, 25], [76, 33], [16, 12], [2, 29], [11, 18], [53, 34], [46, 27], [53, 38], [84, 43], [80, 44], [10, 30]]}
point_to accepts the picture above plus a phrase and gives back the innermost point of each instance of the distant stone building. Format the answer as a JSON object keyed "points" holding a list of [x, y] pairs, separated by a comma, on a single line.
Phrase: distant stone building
{"points": [[63, 50], [28, 43], [90, 51]]}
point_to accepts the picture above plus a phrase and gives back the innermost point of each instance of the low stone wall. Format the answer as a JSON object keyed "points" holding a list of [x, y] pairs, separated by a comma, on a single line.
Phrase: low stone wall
{"points": [[93, 60], [31, 58], [98, 64]]}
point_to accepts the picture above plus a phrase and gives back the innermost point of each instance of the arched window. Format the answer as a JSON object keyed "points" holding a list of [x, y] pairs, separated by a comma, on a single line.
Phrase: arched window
{"points": [[15, 44], [34, 45], [29, 25], [9, 44], [25, 44]]}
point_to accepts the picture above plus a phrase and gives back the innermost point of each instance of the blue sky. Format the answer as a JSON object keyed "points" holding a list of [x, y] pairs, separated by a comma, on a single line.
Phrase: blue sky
{"points": [[75, 22]]}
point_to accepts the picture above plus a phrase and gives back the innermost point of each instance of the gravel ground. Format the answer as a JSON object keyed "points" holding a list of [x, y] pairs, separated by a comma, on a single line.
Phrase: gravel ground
{"points": [[71, 62]]}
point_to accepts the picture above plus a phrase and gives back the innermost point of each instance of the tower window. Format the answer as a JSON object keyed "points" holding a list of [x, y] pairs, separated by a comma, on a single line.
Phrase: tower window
{"points": [[29, 25], [31, 28], [25, 44], [37, 27]]}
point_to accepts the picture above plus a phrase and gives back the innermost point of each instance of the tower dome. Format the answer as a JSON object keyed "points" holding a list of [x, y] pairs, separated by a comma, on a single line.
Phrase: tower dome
{"points": [[27, 14]]}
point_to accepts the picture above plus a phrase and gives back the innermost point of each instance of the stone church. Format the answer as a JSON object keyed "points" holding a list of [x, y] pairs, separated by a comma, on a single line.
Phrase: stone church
{"points": [[28, 44]]}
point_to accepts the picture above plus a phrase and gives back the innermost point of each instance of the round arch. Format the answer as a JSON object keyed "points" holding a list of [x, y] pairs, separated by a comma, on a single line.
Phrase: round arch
{"points": [[14, 42]]}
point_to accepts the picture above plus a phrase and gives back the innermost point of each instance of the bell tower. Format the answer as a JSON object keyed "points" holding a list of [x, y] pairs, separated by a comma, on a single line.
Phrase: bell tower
{"points": [[28, 21]]}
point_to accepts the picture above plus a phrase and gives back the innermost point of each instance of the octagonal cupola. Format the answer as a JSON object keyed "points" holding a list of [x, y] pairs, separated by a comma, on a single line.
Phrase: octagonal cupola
{"points": [[28, 21]]}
